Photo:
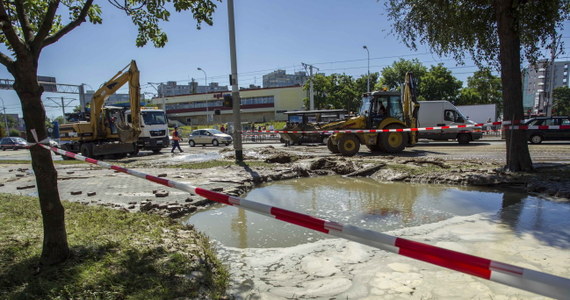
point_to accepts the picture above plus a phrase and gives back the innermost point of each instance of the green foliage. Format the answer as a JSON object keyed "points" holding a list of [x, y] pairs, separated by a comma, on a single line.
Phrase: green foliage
{"points": [[482, 88], [335, 91], [146, 15], [458, 27], [116, 255], [12, 122], [393, 76], [59, 120], [561, 105], [361, 84], [14, 132], [468, 96], [439, 84]]}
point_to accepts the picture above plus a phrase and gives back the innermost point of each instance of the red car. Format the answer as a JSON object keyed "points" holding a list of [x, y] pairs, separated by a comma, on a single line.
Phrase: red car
{"points": [[13, 143]]}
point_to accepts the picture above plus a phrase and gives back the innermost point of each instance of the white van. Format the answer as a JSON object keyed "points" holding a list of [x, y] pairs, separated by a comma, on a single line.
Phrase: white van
{"points": [[442, 113]]}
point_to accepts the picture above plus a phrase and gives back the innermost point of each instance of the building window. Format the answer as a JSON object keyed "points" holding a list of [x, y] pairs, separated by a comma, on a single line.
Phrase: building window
{"points": [[257, 100]]}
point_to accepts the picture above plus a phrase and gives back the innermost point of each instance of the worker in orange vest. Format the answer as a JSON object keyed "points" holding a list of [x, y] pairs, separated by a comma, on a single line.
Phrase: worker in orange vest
{"points": [[176, 140]]}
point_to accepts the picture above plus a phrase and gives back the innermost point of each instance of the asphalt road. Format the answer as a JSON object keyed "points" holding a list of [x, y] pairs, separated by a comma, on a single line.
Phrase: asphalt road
{"points": [[490, 148]]}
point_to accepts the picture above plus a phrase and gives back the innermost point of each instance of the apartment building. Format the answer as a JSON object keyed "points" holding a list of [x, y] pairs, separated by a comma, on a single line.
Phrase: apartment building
{"points": [[538, 82], [280, 78]]}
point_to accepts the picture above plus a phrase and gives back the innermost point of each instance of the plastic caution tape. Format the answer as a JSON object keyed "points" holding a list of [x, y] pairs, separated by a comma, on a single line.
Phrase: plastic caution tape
{"points": [[525, 279], [506, 125]]}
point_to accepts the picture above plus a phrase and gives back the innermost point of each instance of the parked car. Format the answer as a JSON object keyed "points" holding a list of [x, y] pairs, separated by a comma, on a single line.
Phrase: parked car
{"points": [[208, 136], [13, 143], [536, 136]]}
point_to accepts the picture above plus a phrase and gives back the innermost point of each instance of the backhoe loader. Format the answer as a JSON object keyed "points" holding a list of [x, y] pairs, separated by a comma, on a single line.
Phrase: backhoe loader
{"points": [[380, 110], [107, 132]]}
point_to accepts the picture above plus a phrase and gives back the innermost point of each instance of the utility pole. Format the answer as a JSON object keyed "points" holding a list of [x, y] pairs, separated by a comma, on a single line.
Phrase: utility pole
{"points": [[234, 83], [5, 118], [62, 105], [554, 52], [81, 97], [311, 92], [159, 94]]}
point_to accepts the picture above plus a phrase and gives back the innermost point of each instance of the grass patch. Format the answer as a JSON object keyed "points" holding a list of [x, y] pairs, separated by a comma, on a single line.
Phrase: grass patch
{"points": [[221, 163], [116, 255], [58, 162]]}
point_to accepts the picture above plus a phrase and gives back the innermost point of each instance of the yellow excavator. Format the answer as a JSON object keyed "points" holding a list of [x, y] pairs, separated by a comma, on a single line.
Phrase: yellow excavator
{"points": [[107, 132], [380, 110]]}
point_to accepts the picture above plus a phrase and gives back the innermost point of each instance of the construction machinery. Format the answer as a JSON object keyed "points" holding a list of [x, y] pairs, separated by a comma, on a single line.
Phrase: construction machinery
{"points": [[154, 129], [107, 132], [310, 120], [380, 110]]}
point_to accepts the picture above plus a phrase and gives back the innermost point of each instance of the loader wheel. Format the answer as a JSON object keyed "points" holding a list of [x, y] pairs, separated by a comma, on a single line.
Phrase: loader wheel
{"points": [[348, 145], [393, 142], [332, 147], [87, 150]]}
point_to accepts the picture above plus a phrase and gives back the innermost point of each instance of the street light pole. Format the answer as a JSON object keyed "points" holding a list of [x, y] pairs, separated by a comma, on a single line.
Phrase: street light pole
{"points": [[368, 81], [205, 79], [207, 90]]}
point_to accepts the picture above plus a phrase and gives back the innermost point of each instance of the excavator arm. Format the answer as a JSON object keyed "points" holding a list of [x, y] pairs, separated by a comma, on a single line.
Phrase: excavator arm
{"points": [[410, 105], [127, 133]]}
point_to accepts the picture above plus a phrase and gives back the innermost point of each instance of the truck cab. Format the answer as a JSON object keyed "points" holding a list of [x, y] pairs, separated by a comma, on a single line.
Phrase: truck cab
{"points": [[154, 129]]}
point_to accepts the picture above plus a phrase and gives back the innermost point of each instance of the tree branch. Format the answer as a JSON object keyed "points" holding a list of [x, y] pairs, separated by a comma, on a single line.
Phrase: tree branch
{"points": [[9, 31], [69, 27], [24, 21], [47, 23], [6, 60]]}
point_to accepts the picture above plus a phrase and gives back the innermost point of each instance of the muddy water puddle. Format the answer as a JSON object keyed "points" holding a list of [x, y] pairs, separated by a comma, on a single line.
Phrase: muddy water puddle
{"points": [[368, 204]]}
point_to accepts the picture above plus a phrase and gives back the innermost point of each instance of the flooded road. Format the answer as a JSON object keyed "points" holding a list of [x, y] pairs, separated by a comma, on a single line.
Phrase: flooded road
{"points": [[368, 204]]}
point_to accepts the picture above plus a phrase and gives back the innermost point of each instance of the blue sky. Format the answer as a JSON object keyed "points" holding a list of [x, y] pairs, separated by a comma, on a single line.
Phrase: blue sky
{"points": [[270, 35]]}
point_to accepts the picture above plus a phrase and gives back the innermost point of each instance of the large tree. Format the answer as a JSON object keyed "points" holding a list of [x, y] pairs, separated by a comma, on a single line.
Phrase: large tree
{"points": [[482, 88], [334, 91], [491, 31], [561, 105], [28, 26], [393, 76], [361, 83], [439, 84]]}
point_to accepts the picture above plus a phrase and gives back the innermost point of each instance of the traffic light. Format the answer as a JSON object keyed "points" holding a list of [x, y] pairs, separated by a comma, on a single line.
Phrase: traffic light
{"points": [[228, 100]]}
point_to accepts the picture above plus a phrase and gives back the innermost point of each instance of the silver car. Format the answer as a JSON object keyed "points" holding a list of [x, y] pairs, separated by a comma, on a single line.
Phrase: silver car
{"points": [[208, 136]]}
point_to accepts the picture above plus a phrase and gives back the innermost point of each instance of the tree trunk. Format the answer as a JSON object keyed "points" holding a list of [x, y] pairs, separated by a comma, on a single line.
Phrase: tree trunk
{"points": [[518, 156], [55, 248]]}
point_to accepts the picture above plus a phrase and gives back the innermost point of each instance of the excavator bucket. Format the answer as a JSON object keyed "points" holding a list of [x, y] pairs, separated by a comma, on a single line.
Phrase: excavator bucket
{"points": [[128, 133]]}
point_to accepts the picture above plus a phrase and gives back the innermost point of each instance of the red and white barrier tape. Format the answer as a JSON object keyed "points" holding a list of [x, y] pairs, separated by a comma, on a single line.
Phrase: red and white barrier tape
{"points": [[505, 124], [525, 279]]}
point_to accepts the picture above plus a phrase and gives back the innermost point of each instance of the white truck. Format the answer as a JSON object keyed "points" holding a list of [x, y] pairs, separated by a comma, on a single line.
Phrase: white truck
{"points": [[437, 113], [154, 129]]}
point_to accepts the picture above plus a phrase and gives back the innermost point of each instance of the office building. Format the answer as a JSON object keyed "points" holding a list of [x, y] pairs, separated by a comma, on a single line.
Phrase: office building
{"points": [[257, 105]]}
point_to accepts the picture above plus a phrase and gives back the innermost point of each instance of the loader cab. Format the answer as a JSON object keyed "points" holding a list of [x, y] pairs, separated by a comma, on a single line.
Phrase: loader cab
{"points": [[379, 106]]}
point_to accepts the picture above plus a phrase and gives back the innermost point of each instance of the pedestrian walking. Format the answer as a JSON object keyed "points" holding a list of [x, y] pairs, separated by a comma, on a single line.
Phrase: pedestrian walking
{"points": [[176, 140]]}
